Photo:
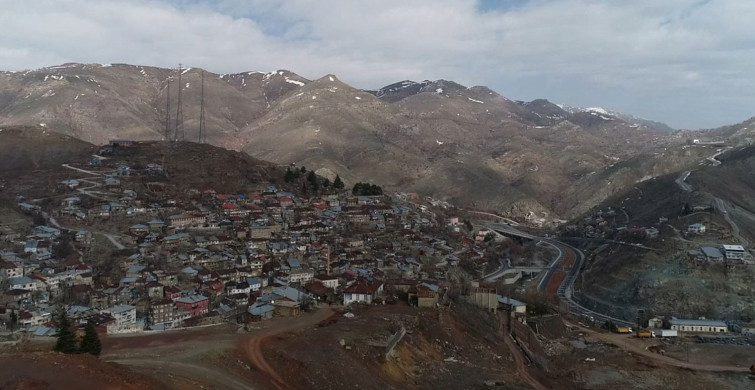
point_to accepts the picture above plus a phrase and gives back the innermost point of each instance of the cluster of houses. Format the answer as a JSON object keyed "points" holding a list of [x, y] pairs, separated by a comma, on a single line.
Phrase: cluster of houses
{"points": [[205, 256], [731, 254]]}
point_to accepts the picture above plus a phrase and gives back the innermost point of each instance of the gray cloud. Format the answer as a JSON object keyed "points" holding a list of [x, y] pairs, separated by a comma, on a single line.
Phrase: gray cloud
{"points": [[684, 62]]}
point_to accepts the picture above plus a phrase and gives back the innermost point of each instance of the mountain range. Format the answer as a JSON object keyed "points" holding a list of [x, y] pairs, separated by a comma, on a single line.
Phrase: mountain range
{"points": [[468, 145]]}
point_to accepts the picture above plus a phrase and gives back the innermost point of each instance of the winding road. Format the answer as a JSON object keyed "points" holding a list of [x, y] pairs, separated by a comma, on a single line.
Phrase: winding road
{"points": [[718, 203], [566, 288]]}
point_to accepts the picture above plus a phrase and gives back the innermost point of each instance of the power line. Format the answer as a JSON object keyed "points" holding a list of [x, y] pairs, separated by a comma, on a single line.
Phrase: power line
{"points": [[167, 111], [179, 111], [202, 134]]}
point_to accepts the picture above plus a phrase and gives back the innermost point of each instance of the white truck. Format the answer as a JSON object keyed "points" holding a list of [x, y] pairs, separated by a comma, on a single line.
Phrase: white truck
{"points": [[668, 333]]}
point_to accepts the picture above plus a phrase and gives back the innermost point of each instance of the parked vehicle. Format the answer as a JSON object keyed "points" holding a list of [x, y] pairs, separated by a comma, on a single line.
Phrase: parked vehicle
{"points": [[623, 329], [669, 333], [645, 334]]}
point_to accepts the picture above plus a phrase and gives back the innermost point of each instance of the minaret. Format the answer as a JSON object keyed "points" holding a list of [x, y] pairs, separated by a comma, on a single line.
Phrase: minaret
{"points": [[328, 260]]}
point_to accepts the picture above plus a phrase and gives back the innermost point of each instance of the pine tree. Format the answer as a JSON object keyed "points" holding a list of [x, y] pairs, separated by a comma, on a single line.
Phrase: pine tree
{"points": [[325, 183], [290, 176], [312, 179], [338, 183], [91, 342], [13, 320], [66, 342]]}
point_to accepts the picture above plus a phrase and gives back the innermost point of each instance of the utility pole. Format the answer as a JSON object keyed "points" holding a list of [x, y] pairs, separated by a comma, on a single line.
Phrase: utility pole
{"points": [[179, 110], [167, 112], [201, 113]]}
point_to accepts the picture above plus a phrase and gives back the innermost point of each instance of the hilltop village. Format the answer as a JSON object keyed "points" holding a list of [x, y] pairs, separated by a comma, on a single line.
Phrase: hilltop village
{"points": [[115, 246], [148, 242]]}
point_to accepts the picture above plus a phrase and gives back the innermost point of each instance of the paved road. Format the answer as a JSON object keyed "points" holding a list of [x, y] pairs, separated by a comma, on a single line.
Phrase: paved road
{"points": [[720, 206], [506, 220], [114, 240], [566, 289], [681, 181], [718, 203], [93, 173], [112, 237]]}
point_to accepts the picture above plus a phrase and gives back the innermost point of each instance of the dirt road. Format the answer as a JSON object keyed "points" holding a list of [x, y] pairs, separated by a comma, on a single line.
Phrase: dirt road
{"points": [[253, 346], [626, 343]]}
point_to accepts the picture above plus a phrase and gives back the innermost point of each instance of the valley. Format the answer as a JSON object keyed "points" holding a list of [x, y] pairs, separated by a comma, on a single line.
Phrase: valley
{"points": [[508, 244]]}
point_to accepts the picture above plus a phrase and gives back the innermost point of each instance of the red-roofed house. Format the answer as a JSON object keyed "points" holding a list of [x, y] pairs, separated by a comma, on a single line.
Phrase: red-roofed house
{"points": [[285, 201], [362, 291]]}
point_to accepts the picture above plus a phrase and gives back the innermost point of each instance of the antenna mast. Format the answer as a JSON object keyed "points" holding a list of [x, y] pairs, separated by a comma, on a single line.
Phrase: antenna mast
{"points": [[167, 112], [179, 110], [202, 135]]}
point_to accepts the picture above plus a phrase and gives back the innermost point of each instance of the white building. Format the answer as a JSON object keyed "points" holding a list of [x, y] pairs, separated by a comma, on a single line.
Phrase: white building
{"points": [[362, 291], [734, 252], [329, 281], [22, 283], [707, 326], [125, 320], [696, 228], [9, 269], [300, 276]]}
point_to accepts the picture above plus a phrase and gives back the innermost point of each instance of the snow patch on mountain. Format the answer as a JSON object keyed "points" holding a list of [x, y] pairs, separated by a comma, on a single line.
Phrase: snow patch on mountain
{"points": [[598, 110], [288, 80]]}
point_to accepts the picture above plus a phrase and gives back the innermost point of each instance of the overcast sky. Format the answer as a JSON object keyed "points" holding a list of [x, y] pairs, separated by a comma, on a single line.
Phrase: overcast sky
{"points": [[690, 64]]}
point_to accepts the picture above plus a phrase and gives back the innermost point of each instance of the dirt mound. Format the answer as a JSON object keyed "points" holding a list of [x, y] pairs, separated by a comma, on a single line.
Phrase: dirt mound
{"points": [[23, 149], [49, 370]]}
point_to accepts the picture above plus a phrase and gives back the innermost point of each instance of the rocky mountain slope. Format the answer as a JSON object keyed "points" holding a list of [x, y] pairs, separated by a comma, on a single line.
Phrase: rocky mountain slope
{"points": [[99, 102], [620, 279], [660, 126], [739, 134], [467, 145]]}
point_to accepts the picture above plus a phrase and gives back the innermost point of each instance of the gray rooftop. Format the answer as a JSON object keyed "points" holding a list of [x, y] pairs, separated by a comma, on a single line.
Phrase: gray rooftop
{"points": [[711, 252], [678, 321]]}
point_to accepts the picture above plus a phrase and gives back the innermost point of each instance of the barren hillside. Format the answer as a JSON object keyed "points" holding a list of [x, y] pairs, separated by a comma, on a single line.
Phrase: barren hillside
{"points": [[471, 146]]}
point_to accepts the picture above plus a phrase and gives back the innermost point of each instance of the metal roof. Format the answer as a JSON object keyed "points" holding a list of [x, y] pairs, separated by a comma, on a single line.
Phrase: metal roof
{"points": [[677, 321], [710, 251]]}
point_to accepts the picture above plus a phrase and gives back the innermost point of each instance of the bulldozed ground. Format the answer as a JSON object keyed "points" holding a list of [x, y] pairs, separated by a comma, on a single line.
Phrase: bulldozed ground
{"points": [[458, 348], [440, 350]]}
